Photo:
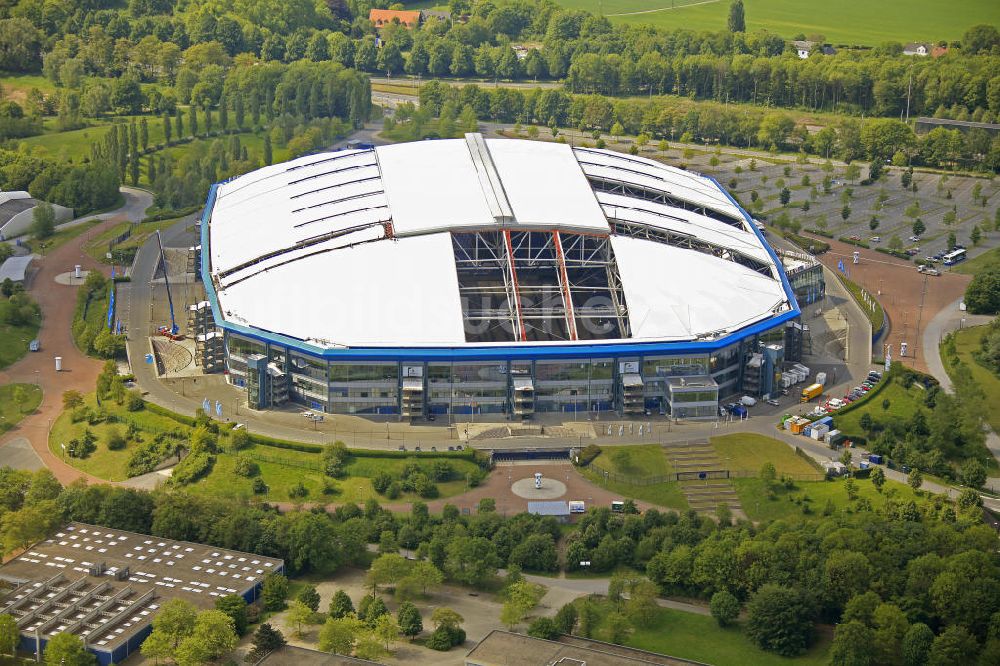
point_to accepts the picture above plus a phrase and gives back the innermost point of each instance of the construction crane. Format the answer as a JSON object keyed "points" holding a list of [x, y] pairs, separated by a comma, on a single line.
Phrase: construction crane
{"points": [[173, 331]]}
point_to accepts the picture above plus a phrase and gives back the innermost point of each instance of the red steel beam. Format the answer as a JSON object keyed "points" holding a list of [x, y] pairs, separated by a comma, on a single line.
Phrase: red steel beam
{"points": [[564, 280], [517, 290]]}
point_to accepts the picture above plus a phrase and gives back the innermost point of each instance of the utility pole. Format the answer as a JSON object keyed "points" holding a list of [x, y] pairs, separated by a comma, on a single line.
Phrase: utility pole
{"points": [[909, 90]]}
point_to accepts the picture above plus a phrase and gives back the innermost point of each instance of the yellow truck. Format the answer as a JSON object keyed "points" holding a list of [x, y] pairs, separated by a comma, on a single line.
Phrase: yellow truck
{"points": [[810, 392]]}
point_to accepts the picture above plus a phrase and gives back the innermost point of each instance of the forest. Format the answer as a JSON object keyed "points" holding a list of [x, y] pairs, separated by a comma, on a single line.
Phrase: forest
{"points": [[920, 577]]}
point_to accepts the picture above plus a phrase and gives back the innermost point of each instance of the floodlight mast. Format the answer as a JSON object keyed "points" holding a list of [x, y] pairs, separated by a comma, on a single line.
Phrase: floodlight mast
{"points": [[174, 329]]}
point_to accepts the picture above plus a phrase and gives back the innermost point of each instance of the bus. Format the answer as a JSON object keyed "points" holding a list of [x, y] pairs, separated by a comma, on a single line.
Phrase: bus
{"points": [[953, 257]]}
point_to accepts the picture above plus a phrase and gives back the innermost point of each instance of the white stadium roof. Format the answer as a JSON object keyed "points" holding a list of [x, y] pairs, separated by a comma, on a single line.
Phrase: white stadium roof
{"points": [[413, 244]]}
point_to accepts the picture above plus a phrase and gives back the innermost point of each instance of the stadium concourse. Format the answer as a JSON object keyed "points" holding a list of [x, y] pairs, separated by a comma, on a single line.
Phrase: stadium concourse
{"points": [[512, 278]]}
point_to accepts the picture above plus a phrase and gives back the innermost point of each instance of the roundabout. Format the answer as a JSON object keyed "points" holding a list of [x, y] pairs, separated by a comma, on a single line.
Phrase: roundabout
{"points": [[527, 489]]}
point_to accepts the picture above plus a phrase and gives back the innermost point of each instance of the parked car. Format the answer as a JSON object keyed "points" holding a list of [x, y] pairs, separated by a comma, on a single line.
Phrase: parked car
{"points": [[932, 272], [931, 260], [773, 403], [875, 239], [855, 237], [913, 251], [914, 239]]}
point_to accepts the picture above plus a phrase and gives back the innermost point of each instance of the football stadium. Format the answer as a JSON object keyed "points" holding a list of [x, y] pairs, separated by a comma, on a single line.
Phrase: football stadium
{"points": [[492, 278]]}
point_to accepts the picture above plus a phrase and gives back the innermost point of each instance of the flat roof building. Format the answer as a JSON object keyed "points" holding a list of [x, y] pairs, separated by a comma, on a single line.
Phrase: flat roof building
{"points": [[106, 585], [16, 268]]}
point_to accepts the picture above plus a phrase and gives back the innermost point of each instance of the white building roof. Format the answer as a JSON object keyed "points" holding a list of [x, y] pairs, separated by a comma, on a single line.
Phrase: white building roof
{"points": [[677, 294], [16, 268], [355, 248]]}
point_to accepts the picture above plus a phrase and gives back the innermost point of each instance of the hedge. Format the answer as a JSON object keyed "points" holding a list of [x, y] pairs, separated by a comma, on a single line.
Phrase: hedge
{"points": [[855, 243], [899, 254], [162, 411], [819, 232], [818, 246]]}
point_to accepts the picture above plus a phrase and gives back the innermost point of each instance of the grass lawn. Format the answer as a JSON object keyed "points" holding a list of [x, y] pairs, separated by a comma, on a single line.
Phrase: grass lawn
{"points": [[903, 404], [280, 468], [748, 451], [845, 22], [641, 461], [14, 341], [966, 342], [10, 412], [60, 237], [814, 494], [104, 463], [988, 259], [97, 247], [874, 313], [698, 637]]}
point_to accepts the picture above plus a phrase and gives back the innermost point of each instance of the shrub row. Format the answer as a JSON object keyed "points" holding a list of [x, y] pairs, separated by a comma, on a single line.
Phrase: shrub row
{"points": [[807, 244], [899, 254], [856, 243], [819, 232]]}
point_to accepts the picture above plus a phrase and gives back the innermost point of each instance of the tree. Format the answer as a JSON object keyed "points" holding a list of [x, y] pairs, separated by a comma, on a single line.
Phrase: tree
{"points": [[43, 221], [446, 617], [234, 606], [521, 597], [298, 615], [387, 630], [471, 560], [266, 639], [725, 608], [982, 296], [975, 235], [877, 478], [174, 622], [370, 612], [409, 620], [618, 628], [10, 636], [268, 154], [845, 212], [565, 618], [919, 227], [737, 18], [274, 591], [338, 635], [641, 606], [72, 399], [212, 637], [309, 596], [973, 473], [954, 645], [388, 569], [915, 479], [340, 605], [917, 645], [852, 645], [785, 196], [780, 620], [66, 649]]}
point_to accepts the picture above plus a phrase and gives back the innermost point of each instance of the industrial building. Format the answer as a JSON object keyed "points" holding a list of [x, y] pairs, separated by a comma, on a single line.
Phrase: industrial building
{"points": [[491, 278], [106, 585]]}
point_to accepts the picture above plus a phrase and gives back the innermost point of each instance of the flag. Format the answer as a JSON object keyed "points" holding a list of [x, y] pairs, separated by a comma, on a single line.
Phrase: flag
{"points": [[840, 265], [206, 405], [218, 408]]}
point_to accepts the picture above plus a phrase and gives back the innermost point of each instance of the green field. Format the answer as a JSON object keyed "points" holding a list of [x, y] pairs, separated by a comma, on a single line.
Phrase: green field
{"points": [[639, 461], [903, 404], [279, 468], [699, 637], [844, 22], [10, 412], [748, 451], [988, 259], [787, 503], [966, 342], [14, 341]]}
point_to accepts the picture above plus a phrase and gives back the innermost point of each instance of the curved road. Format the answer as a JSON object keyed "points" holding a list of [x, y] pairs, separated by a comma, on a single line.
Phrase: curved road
{"points": [[57, 303]]}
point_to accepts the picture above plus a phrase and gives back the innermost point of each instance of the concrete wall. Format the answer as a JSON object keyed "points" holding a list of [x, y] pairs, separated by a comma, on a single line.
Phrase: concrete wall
{"points": [[20, 224]]}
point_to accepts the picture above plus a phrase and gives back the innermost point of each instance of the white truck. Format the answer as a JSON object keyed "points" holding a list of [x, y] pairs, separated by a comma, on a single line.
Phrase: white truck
{"points": [[821, 378]]}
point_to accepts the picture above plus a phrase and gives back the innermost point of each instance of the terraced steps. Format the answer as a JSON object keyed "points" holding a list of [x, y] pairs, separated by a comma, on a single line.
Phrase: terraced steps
{"points": [[702, 496]]}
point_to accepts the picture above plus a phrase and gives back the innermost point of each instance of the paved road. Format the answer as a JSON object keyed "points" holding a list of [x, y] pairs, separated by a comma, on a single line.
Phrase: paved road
{"points": [[79, 372], [947, 320]]}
